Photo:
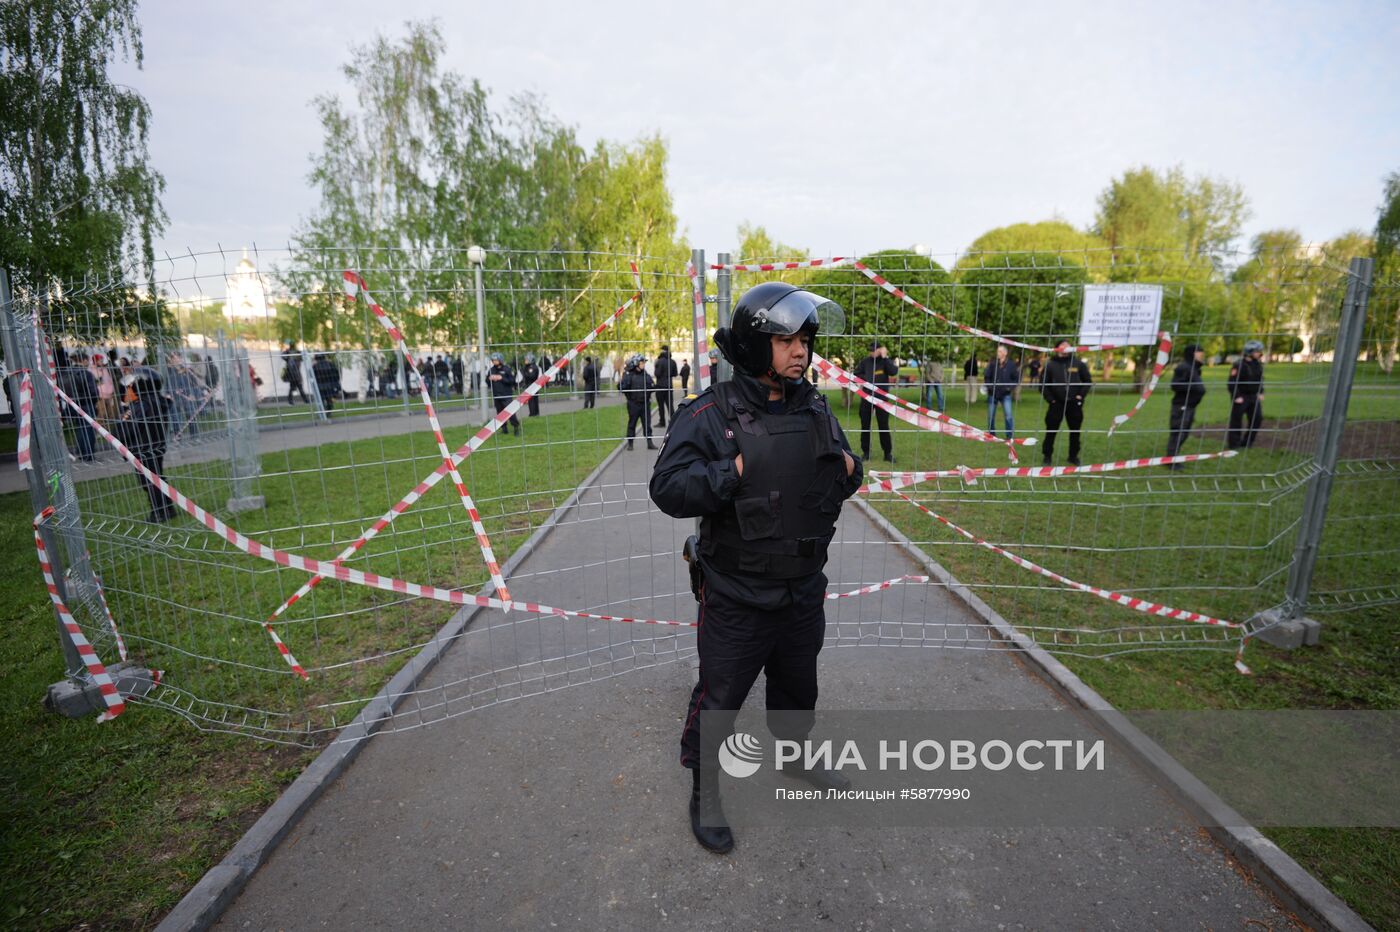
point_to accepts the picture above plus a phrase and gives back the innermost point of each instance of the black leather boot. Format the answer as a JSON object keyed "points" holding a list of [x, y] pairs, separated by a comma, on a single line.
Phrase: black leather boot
{"points": [[819, 777], [629, 444], [707, 819], [650, 445]]}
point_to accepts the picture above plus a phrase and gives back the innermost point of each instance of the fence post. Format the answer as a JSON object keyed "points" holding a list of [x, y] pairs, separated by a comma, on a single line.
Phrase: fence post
{"points": [[45, 483], [51, 486], [723, 284], [1288, 625], [476, 256], [698, 325], [241, 410]]}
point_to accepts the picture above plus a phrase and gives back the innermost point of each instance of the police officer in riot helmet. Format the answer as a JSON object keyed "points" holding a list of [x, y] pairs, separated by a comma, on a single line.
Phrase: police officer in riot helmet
{"points": [[636, 386], [763, 463]]}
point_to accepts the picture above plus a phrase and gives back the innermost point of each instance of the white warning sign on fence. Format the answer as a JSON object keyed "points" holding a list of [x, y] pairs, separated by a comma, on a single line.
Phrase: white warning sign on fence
{"points": [[1121, 314]]}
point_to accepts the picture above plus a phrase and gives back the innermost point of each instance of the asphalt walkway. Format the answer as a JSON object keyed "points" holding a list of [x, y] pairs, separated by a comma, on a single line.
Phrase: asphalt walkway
{"points": [[567, 807]]}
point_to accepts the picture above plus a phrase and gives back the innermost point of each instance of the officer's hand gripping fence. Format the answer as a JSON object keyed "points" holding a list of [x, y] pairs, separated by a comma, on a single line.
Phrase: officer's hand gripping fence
{"points": [[1092, 525]]}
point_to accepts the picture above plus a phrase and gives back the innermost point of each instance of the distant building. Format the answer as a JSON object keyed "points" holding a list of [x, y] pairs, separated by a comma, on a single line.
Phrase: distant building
{"points": [[246, 297]]}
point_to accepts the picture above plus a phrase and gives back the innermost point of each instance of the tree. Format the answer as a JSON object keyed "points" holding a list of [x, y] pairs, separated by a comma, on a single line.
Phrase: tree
{"points": [[1385, 292], [1030, 297], [1278, 288], [78, 194], [1044, 238], [1166, 225], [423, 165], [873, 313]]}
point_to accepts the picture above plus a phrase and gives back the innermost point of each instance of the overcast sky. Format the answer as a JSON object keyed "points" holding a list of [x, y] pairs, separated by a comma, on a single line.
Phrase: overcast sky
{"points": [[841, 128]]}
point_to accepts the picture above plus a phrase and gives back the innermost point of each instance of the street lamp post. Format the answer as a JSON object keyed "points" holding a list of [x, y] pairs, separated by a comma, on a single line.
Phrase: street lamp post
{"points": [[476, 256]]}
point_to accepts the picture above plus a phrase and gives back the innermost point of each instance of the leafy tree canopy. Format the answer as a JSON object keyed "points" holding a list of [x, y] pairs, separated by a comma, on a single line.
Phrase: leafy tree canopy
{"points": [[1164, 224], [78, 194]]}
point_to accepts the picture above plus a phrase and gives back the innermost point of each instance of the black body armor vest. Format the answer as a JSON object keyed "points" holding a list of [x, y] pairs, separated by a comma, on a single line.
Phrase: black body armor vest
{"points": [[790, 493]]}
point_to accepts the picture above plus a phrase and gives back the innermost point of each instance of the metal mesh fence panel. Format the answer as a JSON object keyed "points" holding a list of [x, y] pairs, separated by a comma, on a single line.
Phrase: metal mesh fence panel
{"points": [[290, 415]]}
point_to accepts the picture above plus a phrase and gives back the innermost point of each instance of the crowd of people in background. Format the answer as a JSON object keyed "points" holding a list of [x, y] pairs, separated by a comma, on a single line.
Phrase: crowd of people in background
{"points": [[149, 406], [1064, 381]]}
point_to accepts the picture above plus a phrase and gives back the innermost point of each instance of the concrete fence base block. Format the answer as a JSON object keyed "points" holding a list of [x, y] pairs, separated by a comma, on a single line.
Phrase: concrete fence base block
{"points": [[246, 503], [1290, 634]]}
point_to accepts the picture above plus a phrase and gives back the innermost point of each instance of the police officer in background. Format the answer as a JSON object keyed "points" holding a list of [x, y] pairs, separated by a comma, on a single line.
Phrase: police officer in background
{"points": [[665, 371], [528, 374], [1187, 391], [1065, 384], [763, 463], [1246, 384], [636, 386], [501, 378]]}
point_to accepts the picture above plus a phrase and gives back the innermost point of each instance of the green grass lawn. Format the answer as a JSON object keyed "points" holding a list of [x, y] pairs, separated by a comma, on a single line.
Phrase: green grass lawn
{"points": [[1157, 534], [110, 825]]}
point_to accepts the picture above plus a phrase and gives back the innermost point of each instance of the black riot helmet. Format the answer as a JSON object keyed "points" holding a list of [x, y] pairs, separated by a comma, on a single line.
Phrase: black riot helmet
{"points": [[769, 309]]}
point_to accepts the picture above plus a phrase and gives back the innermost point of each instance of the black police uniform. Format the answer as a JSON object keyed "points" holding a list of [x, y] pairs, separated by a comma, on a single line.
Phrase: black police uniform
{"points": [[636, 386], [1187, 391], [763, 539], [503, 390], [665, 371], [1246, 384], [529, 374], [1064, 378]]}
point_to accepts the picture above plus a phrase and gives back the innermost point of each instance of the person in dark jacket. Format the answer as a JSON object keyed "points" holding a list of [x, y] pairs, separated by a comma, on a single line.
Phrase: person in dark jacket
{"points": [[1246, 384], [327, 376], [664, 369], [502, 381], [291, 371], [1187, 391], [878, 369], [528, 374], [142, 429], [78, 383], [762, 461], [685, 377], [970, 377], [1002, 375], [636, 386], [590, 382], [1064, 384]]}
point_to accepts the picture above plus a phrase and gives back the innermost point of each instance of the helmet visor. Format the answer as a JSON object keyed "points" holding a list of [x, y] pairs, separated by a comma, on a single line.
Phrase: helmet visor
{"points": [[798, 310]]}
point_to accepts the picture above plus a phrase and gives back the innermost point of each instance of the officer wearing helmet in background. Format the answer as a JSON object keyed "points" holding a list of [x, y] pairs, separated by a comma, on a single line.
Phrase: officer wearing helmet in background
{"points": [[528, 374], [761, 460], [501, 378], [1246, 383], [636, 386]]}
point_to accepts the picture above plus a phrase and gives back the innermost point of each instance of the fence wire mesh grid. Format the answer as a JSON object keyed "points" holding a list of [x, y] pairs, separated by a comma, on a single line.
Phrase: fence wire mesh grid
{"points": [[290, 416]]}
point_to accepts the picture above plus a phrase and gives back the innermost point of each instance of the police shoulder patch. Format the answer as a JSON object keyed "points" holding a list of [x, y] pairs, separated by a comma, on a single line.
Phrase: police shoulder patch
{"points": [[686, 400]]}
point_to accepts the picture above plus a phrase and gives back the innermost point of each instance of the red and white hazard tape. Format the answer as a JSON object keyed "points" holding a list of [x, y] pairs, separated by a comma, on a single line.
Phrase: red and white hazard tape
{"points": [[910, 413], [354, 283], [26, 409], [208, 397], [462, 452], [909, 299], [100, 677], [1164, 353], [894, 481], [1127, 601], [783, 266], [263, 551], [107, 610], [41, 345], [702, 352], [878, 587]]}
